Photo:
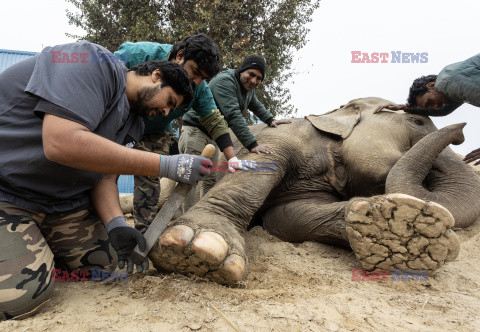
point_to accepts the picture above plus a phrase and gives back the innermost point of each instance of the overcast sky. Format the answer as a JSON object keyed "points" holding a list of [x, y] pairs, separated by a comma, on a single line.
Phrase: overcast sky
{"points": [[326, 77]]}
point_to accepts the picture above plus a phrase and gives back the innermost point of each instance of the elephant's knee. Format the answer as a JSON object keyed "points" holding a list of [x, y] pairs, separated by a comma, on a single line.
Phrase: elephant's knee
{"points": [[304, 221], [273, 222]]}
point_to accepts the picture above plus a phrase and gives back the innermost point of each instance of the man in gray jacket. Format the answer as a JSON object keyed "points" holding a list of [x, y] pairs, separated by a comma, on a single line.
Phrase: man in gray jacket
{"points": [[440, 95]]}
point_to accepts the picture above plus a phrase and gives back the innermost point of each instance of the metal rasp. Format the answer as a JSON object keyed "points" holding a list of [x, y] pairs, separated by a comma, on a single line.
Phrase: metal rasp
{"points": [[166, 213]]}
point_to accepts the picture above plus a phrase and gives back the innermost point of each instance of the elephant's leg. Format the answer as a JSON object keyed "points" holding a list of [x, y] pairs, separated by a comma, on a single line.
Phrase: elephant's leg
{"points": [[389, 231], [207, 240], [402, 232], [308, 220]]}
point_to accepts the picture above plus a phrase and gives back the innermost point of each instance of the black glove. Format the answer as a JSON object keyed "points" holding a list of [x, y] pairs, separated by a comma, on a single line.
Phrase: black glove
{"points": [[184, 168], [124, 238]]}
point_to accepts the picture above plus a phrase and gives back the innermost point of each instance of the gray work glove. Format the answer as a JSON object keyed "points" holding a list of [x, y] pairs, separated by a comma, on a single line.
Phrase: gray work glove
{"points": [[184, 168], [124, 238]]}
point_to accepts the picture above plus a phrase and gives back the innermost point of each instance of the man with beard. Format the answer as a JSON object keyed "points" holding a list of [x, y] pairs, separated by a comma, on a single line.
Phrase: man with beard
{"points": [[200, 57], [440, 95], [67, 116]]}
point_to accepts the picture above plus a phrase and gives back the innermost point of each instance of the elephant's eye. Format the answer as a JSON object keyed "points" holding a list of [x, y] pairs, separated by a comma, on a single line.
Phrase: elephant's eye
{"points": [[419, 122]]}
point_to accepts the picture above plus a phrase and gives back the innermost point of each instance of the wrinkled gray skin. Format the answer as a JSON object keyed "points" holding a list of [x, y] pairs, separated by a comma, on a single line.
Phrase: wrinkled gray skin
{"points": [[325, 164]]}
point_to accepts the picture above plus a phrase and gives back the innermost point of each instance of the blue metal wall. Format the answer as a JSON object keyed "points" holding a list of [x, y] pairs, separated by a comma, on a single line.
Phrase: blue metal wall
{"points": [[125, 184], [8, 58]]}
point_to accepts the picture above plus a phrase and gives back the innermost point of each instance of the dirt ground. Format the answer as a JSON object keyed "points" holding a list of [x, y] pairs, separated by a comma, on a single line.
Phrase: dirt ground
{"points": [[290, 287]]}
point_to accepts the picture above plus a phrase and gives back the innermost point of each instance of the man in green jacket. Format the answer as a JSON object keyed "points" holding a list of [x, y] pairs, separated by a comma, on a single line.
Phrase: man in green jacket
{"points": [[440, 95], [200, 57], [234, 93]]}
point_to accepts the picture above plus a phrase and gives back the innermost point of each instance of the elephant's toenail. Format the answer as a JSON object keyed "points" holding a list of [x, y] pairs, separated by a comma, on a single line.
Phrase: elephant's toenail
{"points": [[178, 236], [211, 247], [234, 265]]}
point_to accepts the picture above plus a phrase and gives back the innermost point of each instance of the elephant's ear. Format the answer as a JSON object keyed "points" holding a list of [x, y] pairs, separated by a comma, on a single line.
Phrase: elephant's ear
{"points": [[339, 122]]}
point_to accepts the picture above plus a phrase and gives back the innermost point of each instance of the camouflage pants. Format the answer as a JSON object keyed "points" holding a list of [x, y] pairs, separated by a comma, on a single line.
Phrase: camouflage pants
{"points": [[192, 141], [31, 242], [147, 188]]}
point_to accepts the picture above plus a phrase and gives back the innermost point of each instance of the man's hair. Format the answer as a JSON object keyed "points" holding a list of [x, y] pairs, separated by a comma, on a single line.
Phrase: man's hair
{"points": [[172, 75], [201, 49], [418, 88]]}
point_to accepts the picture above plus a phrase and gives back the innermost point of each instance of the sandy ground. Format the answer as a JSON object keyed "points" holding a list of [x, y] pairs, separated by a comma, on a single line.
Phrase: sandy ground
{"points": [[290, 287]]}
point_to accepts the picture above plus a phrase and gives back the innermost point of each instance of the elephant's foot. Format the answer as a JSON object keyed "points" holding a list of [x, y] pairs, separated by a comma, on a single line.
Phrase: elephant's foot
{"points": [[401, 232], [214, 250]]}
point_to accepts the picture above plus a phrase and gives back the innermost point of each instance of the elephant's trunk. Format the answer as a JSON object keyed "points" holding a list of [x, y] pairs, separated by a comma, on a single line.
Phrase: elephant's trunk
{"points": [[430, 172]]}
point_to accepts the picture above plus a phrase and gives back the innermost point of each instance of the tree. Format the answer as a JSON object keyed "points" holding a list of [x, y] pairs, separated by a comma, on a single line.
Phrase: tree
{"points": [[111, 22], [270, 28]]}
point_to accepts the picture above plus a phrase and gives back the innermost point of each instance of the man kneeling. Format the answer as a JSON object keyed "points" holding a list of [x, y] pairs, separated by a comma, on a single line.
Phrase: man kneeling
{"points": [[65, 130]]}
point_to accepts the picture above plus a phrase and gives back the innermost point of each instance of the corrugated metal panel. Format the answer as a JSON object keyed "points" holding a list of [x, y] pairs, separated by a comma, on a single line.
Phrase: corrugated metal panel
{"points": [[125, 184], [9, 57]]}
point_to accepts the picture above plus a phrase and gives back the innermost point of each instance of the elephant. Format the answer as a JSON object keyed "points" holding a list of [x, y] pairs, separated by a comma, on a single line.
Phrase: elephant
{"points": [[386, 185]]}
